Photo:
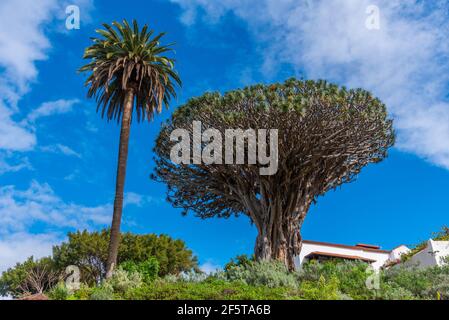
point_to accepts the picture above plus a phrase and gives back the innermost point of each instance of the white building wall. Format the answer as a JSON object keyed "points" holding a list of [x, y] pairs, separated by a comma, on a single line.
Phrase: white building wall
{"points": [[380, 257], [432, 255], [441, 251], [396, 253]]}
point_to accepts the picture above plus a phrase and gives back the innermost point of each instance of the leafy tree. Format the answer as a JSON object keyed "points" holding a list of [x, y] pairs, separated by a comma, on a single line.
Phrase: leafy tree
{"points": [[327, 134], [89, 251], [29, 277], [86, 250], [240, 260], [148, 269], [128, 73]]}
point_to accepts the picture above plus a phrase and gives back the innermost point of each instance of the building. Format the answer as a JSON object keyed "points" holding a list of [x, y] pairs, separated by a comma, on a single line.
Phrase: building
{"points": [[433, 254], [371, 254]]}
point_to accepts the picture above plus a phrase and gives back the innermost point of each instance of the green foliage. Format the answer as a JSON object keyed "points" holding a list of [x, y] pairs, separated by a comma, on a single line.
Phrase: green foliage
{"points": [[13, 280], [83, 293], [391, 291], [320, 290], [59, 292], [351, 276], [88, 251], [126, 56], [241, 260], [102, 293], [425, 283], [148, 269], [192, 276], [247, 279], [122, 281], [264, 273], [212, 289], [172, 255]]}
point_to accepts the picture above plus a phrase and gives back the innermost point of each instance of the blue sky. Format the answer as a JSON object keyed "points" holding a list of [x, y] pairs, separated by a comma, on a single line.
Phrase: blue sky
{"points": [[58, 157]]}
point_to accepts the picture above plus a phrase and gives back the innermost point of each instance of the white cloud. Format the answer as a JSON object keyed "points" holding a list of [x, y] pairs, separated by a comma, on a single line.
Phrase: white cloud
{"points": [[24, 25], [60, 148], [11, 164], [405, 63], [22, 209], [209, 267], [139, 200], [52, 108], [18, 247], [39, 206], [14, 136]]}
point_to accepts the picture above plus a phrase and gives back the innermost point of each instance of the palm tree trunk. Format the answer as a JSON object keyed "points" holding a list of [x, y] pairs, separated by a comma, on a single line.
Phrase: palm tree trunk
{"points": [[120, 183]]}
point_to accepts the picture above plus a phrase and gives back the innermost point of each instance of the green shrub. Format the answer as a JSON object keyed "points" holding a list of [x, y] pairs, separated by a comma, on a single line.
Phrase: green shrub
{"points": [[191, 276], [241, 260], [59, 292], [271, 274], [122, 281], [211, 289], [148, 269], [412, 279], [83, 293], [390, 291], [320, 290], [351, 276], [103, 292], [439, 289]]}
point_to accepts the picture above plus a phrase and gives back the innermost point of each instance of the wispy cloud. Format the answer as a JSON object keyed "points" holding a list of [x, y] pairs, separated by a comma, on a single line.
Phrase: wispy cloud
{"points": [[405, 62], [139, 200], [24, 25], [17, 247], [52, 108], [22, 209], [13, 164], [38, 205], [60, 149]]}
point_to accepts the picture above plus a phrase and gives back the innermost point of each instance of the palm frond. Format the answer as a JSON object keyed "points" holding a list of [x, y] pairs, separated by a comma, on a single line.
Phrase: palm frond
{"points": [[126, 57]]}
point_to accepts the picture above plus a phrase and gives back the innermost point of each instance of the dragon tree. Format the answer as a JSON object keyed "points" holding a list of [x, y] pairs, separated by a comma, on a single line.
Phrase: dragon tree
{"points": [[326, 135]]}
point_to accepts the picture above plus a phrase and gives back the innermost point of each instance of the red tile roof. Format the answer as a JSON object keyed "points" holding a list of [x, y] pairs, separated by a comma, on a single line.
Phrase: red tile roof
{"points": [[37, 296], [345, 246], [369, 246]]}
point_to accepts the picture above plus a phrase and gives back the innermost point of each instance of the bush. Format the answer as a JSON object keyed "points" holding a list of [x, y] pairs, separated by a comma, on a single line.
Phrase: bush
{"points": [[412, 279], [148, 269], [392, 292], [271, 274], [102, 293], [211, 289], [241, 260], [187, 277], [59, 292], [122, 281], [320, 290], [351, 276], [83, 293]]}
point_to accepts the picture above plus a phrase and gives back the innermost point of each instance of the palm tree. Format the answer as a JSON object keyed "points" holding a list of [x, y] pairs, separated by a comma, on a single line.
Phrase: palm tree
{"points": [[129, 74]]}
